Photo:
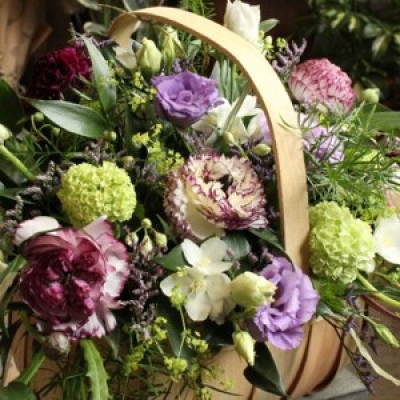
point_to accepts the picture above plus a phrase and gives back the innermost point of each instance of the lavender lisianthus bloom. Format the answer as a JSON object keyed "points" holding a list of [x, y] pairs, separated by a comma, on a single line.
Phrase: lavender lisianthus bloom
{"points": [[185, 97], [281, 322]]}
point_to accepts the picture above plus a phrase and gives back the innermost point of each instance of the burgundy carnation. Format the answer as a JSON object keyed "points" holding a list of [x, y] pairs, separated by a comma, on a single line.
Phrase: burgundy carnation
{"points": [[73, 278], [58, 71]]}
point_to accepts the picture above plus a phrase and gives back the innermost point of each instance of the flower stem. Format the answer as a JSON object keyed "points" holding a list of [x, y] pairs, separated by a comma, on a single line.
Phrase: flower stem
{"points": [[231, 117], [16, 162], [376, 293]]}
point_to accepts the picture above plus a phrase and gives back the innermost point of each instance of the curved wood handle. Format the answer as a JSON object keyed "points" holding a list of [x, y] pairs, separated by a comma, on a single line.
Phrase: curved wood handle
{"points": [[273, 99]]}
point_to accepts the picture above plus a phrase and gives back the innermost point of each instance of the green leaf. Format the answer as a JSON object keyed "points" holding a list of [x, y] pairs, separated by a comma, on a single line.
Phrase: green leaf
{"points": [[264, 374], [29, 373], [385, 121], [95, 371], [237, 244], [173, 260], [74, 118], [113, 339], [175, 328], [8, 274], [17, 391], [268, 24], [11, 107], [103, 79], [268, 236]]}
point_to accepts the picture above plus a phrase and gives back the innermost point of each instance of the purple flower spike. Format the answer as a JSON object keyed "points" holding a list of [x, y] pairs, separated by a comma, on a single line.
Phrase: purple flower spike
{"points": [[295, 303]]}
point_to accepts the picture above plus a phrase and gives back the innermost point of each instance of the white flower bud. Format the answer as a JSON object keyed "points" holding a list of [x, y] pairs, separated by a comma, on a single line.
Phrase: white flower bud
{"points": [[4, 134], [250, 290], [243, 19], [370, 95], [160, 239], [244, 345], [146, 245], [149, 58]]}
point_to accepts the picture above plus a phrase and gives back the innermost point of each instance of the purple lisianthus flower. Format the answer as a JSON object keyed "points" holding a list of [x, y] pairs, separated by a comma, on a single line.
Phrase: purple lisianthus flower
{"points": [[281, 322], [72, 278], [185, 97]]}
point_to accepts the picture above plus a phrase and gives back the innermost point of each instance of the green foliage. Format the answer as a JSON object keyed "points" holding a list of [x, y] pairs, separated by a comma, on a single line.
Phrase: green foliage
{"points": [[204, 8], [95, 371], [264, 374], [363, 37], [11, 107], [17, 391]]}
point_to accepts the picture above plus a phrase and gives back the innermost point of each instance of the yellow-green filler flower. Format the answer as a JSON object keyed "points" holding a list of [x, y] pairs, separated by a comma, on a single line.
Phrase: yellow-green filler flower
{"points": [[88, 192], [340, 245]]}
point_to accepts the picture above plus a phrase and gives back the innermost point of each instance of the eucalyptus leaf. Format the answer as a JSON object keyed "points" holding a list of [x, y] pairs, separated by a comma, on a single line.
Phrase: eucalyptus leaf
{"points": [[95, 371], [102, 78], [11, 107], [237, 244], [173, 260], [17, 391], [264, 374], [74, 118]]}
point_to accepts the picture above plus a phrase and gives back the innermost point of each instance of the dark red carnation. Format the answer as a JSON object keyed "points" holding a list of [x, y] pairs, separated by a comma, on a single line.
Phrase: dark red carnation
{"points": [[58, 71]]}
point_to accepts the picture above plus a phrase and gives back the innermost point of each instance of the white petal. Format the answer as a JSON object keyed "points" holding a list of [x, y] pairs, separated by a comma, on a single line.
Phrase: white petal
{"points": [[98, 227], [198, 306], [215, 268], [168, 284], [214, 249], [387, 239], [31, 227], [218, 286], [248, 108], [193, 253]]}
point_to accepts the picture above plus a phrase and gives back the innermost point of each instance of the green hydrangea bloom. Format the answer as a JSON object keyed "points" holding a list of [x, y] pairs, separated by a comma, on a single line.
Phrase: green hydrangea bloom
{"points": [[340, 244], [88, 192]]}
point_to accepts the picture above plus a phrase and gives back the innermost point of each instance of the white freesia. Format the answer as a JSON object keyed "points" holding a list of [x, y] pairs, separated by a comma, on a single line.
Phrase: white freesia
{"points": [[205, 286], [216, 119], [33, 226], [243, 19], [387, 239]]}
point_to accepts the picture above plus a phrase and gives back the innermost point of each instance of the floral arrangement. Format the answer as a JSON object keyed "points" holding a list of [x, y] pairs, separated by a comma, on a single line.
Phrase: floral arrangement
{"points": [[139, 225]]}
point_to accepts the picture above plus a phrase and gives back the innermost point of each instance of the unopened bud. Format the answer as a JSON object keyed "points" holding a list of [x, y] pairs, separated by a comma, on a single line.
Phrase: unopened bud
{"points": [[229, 138], [146, 245], [38, 117], [149, 58], [261, 150], [386, 335], [146, 223], [244, 345], [160, 239], [56, 346], [170, 45], [370, 95], [4, 134], [250, 290]]}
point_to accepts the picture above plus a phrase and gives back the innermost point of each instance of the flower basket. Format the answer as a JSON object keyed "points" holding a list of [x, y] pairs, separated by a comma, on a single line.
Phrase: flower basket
{"points": [[22, 30], [320, 355]]}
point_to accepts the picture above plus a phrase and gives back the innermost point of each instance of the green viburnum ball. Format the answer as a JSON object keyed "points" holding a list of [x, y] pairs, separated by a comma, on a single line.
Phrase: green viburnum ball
{"points": [[340, 244], [88, 192]]}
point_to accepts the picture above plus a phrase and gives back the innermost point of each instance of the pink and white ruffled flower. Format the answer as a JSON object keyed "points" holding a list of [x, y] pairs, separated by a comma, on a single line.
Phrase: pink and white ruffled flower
{"points": [[211, 193], [320, 81], [73, 278]]}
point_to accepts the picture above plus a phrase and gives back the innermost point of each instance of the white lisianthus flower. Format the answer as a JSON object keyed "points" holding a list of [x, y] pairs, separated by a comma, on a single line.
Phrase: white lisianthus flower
{"points": [[243, 19], [216, 119], [204, 285], [387, 239]]}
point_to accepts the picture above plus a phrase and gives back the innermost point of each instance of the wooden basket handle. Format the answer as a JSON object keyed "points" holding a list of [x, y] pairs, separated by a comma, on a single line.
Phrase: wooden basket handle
{"points": [[274, 100]]}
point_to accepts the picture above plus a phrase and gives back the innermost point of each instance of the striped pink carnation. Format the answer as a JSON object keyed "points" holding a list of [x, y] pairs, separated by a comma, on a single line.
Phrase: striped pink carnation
{"points": [[320, 81], [211, 193]]}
